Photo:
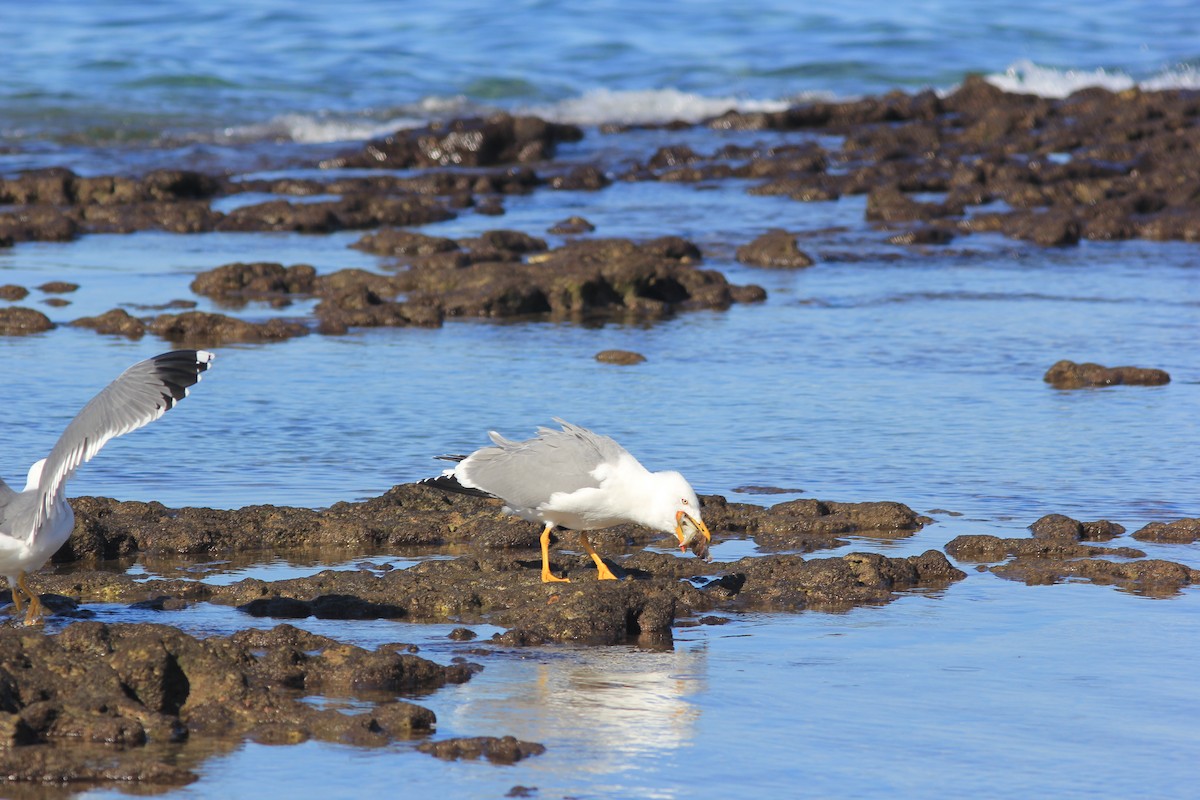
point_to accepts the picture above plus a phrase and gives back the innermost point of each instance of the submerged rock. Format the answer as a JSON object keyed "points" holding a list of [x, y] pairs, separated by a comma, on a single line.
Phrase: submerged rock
{"points": [[116, 322], [621, 357], [504, 750], [1069, 375]]}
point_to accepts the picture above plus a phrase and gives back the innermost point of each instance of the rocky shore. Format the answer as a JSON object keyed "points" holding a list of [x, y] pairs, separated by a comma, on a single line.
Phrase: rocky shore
{"points": [[96, 702]]}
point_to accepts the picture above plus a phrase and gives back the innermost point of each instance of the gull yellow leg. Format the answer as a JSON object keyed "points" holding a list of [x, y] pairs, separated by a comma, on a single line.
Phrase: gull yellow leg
{"points": [[547, 576], [35, 603], [16, 593], [603, 573]]}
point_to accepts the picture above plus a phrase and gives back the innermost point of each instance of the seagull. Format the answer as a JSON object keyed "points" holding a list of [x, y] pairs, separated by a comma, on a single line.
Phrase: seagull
{"points": [[35, 522], [578, 480]]}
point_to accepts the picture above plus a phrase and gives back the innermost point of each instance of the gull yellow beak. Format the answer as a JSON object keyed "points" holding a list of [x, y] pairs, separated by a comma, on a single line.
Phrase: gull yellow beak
{"points": [[692, 533]]}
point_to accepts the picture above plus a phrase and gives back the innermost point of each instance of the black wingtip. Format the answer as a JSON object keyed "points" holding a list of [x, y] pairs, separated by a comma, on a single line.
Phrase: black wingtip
{"points": [[449, 483], [179, 370]]}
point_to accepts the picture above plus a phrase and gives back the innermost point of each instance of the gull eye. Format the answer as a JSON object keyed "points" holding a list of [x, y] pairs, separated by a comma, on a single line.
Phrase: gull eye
{"points": [[683, 500]]}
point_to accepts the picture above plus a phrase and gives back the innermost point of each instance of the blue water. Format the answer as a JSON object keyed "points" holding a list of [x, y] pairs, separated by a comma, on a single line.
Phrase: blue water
{"points": [[863, 378]]}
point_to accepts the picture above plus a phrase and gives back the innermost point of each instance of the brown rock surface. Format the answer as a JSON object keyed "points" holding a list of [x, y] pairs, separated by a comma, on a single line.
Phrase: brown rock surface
{"points": [[19, 321], [1069, 375]]}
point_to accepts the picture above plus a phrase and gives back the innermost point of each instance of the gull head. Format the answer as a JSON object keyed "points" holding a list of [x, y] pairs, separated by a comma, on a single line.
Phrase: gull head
{"points": [[677, 510]]}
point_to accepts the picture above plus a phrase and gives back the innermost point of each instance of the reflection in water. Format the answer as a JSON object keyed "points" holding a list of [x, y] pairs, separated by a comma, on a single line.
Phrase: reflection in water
{"points": [[617, 705]]}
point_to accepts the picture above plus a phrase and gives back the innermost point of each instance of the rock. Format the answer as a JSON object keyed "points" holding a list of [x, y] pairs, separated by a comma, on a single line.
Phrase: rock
{"points": [[570, 226], [1152, 577], [476, 142], [1058, 526], [236, 284], [622, 357], [504, 750], [116, 322], [926, 234], [133, 685], [58, 287], [394, 242], [201, 329], [1181, 531], [19, 321], [346, 213], [56, 302], [807, 525], [1069, 375], [774, 249], [985, 548], [12, 292]]}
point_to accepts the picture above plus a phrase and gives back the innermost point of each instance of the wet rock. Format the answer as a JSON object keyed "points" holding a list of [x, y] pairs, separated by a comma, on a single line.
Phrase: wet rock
{"points": [[571, 226], [585, 278], [889, 204], [462, 634], [1181, 531], [364, 308], [116, 322], [983, 548], [1058, 526], [474, 142], [133, 685], [394, 242], [38, 224], [58, 287], [201, 329], [1069, 375], [12, 292], [775, 248], [1152, 577], [238, 283], [927, 234], [56, 302], [791, 583], [353, 212], [19, 321], [584, 177], [807, 525], [504, 750], [622, 357]]}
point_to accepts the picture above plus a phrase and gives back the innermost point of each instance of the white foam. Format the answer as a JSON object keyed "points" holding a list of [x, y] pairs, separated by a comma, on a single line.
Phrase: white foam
{"points": [[1026, 77], [646, 106]]}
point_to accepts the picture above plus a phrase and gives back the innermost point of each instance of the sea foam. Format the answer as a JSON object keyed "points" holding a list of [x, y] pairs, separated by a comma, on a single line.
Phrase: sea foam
{"points": [[1026, 77]]}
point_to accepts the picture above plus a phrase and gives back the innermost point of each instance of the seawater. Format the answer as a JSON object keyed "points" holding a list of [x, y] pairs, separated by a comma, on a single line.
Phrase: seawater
{"points": [[881, 373]]}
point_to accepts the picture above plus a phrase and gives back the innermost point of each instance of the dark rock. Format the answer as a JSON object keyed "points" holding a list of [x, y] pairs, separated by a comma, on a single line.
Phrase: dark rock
{"points": [[1058, 526], [38, 224], [56, 302], [584, 177], [12, 292], [622, 357], [1152, 577], [394, 242], [500, 139], [1069, 375], [236, 284], [116, 322], [924, 235], [131, 685], [347, 213], [774, 249], [1181, 531], [462, 634], [569, 226], [19, 321], [985, 548], [58, 287], [504, 750], [808, 525], [201, 329]]}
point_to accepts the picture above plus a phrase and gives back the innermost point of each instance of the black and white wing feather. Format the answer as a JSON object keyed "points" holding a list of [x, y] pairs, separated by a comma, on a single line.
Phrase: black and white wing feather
{"points": [[139, 395]]}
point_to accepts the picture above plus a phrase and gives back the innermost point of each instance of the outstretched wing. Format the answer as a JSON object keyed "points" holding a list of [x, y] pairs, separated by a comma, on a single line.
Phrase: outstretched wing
{"points": [[140, 395]]}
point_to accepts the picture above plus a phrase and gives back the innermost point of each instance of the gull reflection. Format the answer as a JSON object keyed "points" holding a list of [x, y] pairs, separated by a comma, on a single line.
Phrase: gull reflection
{"points": [[609, 703]]}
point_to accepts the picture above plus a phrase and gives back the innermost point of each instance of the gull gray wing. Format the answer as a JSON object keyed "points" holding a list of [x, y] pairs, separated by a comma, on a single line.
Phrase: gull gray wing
{"points": [[139, 395], [7, 495], [525, 474]]}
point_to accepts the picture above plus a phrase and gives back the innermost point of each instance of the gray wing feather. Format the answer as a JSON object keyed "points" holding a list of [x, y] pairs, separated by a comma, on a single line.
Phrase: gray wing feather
{"points": [[525, 474], [139, 395]]}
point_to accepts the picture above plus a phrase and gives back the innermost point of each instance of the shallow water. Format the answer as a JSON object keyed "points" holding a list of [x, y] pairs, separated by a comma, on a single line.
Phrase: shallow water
{"points": [[874, 375]]}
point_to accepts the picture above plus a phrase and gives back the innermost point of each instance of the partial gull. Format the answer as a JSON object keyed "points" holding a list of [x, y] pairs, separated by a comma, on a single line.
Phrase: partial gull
{"points": [[579, 480], [35, 522]]}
